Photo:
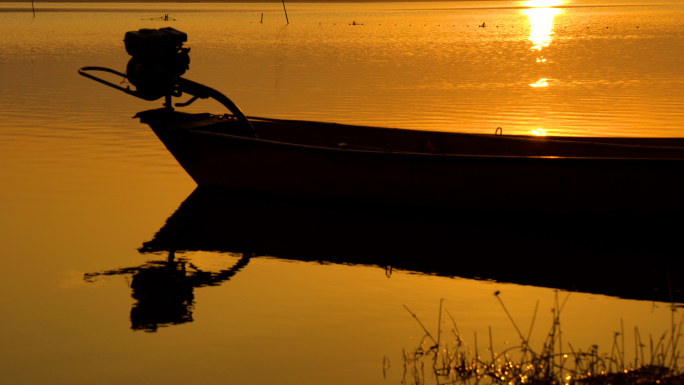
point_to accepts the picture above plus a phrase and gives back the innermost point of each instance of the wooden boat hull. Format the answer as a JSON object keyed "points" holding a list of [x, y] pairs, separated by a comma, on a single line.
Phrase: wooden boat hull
{"points": [[423, 179]]}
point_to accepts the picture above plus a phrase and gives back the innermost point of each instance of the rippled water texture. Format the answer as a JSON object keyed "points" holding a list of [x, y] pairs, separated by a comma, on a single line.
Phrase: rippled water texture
{"points": [[572, 69], [83, 186]]}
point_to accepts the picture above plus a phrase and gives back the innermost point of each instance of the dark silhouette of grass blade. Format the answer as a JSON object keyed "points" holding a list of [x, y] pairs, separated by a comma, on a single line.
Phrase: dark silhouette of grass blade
{"points": [[454, 363]]}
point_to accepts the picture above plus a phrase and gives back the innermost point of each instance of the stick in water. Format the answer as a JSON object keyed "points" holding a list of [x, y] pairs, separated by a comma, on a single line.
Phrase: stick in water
{"points": [[34, 8], [288, 20]]}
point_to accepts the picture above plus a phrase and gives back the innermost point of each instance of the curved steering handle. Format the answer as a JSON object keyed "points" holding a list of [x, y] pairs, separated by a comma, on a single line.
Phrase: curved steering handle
{"points": [[83, 72], [181, 85], [201, 91]]}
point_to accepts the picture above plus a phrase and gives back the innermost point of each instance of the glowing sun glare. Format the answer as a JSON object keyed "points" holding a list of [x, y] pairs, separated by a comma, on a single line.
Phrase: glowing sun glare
{"points": [[541, 21]]}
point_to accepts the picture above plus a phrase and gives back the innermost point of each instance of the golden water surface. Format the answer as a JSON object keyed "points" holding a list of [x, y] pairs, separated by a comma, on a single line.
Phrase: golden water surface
{"points": [[83, 186]]}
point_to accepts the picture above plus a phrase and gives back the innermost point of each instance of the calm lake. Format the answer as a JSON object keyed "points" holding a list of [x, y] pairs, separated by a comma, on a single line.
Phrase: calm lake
{"points": [[261, 291]]}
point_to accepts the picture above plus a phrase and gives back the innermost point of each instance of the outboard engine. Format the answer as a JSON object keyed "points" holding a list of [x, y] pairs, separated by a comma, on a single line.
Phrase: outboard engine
{"points": [[158, 59], [158, 62]]}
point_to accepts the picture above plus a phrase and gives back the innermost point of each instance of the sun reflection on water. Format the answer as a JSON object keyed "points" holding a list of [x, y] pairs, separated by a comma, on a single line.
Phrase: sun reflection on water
{"points": [[540, 83], [541, 17], [538, 132]]}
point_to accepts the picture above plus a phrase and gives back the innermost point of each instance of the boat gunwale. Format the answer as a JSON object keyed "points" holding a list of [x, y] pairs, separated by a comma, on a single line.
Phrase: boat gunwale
{"points": [[157, 122], [563, 140]]}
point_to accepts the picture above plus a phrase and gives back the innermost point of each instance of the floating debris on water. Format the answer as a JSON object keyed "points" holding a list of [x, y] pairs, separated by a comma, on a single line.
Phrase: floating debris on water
{"points": [[162, 18]]}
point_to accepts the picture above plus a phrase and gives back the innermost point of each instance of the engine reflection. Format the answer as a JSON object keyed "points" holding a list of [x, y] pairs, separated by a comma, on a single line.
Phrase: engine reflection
{"points": [[164, 289]]}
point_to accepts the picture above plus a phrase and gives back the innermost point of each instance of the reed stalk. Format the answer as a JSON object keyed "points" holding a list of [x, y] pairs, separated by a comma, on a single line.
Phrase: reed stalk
{"points": [[454, 363]]}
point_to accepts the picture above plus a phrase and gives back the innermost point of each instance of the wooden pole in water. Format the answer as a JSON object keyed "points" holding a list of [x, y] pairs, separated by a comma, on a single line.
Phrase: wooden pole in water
{"points": [[262, 18], [288, 20], [34, 8]]}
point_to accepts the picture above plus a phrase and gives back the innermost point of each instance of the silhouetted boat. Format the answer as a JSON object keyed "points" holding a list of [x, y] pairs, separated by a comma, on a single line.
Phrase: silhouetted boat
{"points": [[419, 168], [379, 196], [393, 166]]}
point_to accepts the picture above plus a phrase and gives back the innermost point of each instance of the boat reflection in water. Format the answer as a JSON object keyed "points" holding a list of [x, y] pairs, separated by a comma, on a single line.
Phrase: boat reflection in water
{"points": [[608, 253], [164, 289], [613, 254]]}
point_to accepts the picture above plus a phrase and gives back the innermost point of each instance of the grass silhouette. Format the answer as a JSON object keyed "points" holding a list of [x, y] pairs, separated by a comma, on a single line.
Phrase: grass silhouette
{"points": [[457, 362]]}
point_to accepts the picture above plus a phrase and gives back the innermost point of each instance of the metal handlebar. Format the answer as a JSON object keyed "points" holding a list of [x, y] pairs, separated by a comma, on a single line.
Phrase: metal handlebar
{"points": [[180, 85], [127, 90]]}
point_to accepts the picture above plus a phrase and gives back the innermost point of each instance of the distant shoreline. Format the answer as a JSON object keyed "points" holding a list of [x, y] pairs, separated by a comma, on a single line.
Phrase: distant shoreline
{"points": [[234, 1]]}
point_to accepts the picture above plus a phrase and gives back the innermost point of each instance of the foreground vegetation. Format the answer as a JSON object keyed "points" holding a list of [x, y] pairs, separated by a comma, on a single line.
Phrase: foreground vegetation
{"points": [[456, 362]]}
